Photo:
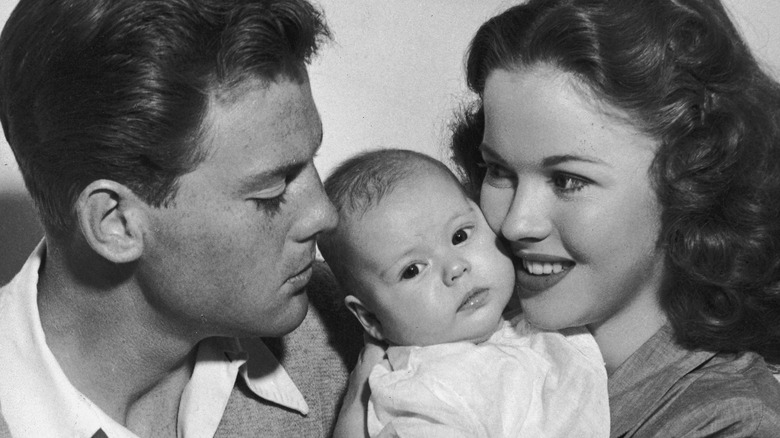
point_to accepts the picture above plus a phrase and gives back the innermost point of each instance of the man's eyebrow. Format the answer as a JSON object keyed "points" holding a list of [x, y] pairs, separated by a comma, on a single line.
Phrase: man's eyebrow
{"points": [[263, 179]]}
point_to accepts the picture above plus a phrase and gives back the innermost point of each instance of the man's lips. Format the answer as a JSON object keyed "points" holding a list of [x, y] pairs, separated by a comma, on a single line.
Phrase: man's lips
{"points": [[302, 277]]}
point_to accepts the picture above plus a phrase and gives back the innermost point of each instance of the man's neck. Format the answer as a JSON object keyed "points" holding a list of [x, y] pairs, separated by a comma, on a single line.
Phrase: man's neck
{"points": [[113, 348]]}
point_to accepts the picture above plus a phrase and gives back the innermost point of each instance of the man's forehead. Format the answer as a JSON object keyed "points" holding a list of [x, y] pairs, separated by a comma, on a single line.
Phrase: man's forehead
{"points": [[268, 128]]}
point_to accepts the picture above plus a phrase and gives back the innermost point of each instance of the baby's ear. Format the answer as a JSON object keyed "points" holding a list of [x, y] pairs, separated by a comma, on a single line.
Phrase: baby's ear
{"points": [[367, 318]]}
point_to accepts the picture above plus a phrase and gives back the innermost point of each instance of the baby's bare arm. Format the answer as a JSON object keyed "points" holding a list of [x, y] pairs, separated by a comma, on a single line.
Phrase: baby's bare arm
{"points": [[352, 417]]}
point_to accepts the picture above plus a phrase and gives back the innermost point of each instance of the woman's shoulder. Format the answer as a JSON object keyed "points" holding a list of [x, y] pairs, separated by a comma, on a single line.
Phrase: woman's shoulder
{"points": [[738, 382], [664, 389], [728, 395]]}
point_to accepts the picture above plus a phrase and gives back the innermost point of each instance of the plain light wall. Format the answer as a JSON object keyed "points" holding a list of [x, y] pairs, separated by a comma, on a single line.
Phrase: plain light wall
{"points": [[391, 78]]}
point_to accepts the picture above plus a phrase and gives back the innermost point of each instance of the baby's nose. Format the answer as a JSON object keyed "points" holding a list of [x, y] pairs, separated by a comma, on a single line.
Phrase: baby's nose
{"points": [[455, 270]]}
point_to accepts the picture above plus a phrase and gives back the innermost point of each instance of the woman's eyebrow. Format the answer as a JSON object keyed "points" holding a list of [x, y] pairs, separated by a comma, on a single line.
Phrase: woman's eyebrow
{"points": [[554, 160], [550, 161]]}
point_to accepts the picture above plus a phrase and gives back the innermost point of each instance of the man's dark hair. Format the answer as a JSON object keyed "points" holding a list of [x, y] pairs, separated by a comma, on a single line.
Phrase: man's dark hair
{"points": [[118, 89]]}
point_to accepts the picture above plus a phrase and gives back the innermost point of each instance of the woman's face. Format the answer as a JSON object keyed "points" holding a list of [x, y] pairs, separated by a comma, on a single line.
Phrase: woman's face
{"points": [[568, 187]]}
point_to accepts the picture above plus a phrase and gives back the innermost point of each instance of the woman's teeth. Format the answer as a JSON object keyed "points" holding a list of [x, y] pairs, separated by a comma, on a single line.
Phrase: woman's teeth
{"points": [[542, 268]]}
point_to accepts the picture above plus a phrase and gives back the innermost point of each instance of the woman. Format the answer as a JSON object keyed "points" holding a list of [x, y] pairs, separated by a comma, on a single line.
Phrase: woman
{"points": [[628, 151]]}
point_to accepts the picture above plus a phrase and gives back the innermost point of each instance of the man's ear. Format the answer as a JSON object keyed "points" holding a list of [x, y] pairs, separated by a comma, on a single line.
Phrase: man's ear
{"points": [[367, 319], [111, 219]]}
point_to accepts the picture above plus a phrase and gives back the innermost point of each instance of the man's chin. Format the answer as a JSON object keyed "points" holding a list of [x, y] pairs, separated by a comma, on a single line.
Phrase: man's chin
{"points": [[286, 320]]}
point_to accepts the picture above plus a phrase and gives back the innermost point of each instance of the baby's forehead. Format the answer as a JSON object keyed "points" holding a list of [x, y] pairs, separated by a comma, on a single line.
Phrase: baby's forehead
{"points": [[387, 201], [415, 186]]}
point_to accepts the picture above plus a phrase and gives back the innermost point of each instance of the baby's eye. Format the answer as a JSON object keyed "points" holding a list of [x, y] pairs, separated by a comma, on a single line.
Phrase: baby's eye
{"points": [[460, 236], [411, 271]]}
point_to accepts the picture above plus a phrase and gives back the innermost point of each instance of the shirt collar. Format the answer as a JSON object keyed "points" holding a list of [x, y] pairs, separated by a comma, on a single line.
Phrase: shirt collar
{"points": [[643, 379], [39, 400], [218, 363]]}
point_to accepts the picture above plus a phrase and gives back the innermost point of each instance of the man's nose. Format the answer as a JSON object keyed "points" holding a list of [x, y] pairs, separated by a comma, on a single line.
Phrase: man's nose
{"points": [[320, 215]]}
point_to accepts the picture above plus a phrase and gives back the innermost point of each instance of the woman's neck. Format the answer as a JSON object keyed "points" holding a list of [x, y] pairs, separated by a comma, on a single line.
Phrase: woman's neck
{"points": [[622, 334]]}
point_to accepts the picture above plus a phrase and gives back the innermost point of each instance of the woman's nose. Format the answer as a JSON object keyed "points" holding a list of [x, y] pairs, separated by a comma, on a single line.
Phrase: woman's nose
{"points": [[455, 269], [527, 218]]}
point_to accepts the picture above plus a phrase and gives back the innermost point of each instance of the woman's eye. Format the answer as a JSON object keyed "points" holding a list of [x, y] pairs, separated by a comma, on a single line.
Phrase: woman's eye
{"points": [[497, 176], [460, 236], [410, 272], [567, 183]]}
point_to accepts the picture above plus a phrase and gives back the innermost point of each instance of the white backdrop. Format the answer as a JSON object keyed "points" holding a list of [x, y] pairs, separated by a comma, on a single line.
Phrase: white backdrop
{"points": [[393, 74], [392, 77]]}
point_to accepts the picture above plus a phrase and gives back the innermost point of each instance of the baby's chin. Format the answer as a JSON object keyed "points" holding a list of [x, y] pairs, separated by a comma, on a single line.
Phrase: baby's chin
{"points": [[482, 338], [479, 338]]}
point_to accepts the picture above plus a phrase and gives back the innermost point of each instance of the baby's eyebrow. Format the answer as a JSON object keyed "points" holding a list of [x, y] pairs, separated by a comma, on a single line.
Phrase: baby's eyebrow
{"points": [[393, 266]]}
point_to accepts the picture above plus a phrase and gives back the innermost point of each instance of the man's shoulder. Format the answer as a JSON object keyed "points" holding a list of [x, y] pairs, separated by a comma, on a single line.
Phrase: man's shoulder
{"points": [[6, 290], [4, 431], [317, 356]]}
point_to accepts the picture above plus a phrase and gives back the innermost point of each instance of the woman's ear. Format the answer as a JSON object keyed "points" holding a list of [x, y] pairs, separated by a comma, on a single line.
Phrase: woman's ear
{"points": [[367, 318], [111, 219]]}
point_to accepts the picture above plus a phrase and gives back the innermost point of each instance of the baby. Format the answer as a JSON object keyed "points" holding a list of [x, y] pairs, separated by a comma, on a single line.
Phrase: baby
{"points": [[423, 272]]}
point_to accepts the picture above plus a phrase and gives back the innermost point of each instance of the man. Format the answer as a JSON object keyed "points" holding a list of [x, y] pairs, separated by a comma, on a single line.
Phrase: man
{"points": [[168, 147]]}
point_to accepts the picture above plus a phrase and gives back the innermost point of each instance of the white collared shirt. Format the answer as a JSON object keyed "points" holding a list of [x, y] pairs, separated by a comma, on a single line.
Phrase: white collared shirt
{"points": [[37, 399]]}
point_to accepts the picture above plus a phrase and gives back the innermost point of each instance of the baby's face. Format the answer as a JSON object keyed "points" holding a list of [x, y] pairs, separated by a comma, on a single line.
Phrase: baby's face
{"points": [[433, 267]]}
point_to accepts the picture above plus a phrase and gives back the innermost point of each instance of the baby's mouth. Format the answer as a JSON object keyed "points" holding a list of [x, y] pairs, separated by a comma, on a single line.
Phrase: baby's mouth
{"points": [[475, 299]]}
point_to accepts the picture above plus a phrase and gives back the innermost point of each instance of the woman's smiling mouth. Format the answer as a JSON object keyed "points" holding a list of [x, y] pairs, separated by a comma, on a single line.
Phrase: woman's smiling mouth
{"points": [[542, 268], [539, 272]]}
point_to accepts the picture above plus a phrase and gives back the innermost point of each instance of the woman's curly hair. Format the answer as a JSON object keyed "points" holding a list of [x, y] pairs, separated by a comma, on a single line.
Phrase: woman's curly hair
{"points": [[683, 74]]}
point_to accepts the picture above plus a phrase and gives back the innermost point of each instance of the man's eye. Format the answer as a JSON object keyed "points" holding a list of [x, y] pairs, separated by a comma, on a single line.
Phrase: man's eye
{"points": [[270, 205], [460, 236], [269, 199], [411, 271], [272, 192]]}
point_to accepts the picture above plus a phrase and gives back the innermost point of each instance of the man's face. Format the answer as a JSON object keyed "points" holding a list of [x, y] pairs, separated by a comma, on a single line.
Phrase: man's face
{"points": [[233, 251]]}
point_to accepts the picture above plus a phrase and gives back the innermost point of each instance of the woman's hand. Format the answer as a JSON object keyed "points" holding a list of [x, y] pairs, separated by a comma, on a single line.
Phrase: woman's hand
{"points": [[352, 418]]}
